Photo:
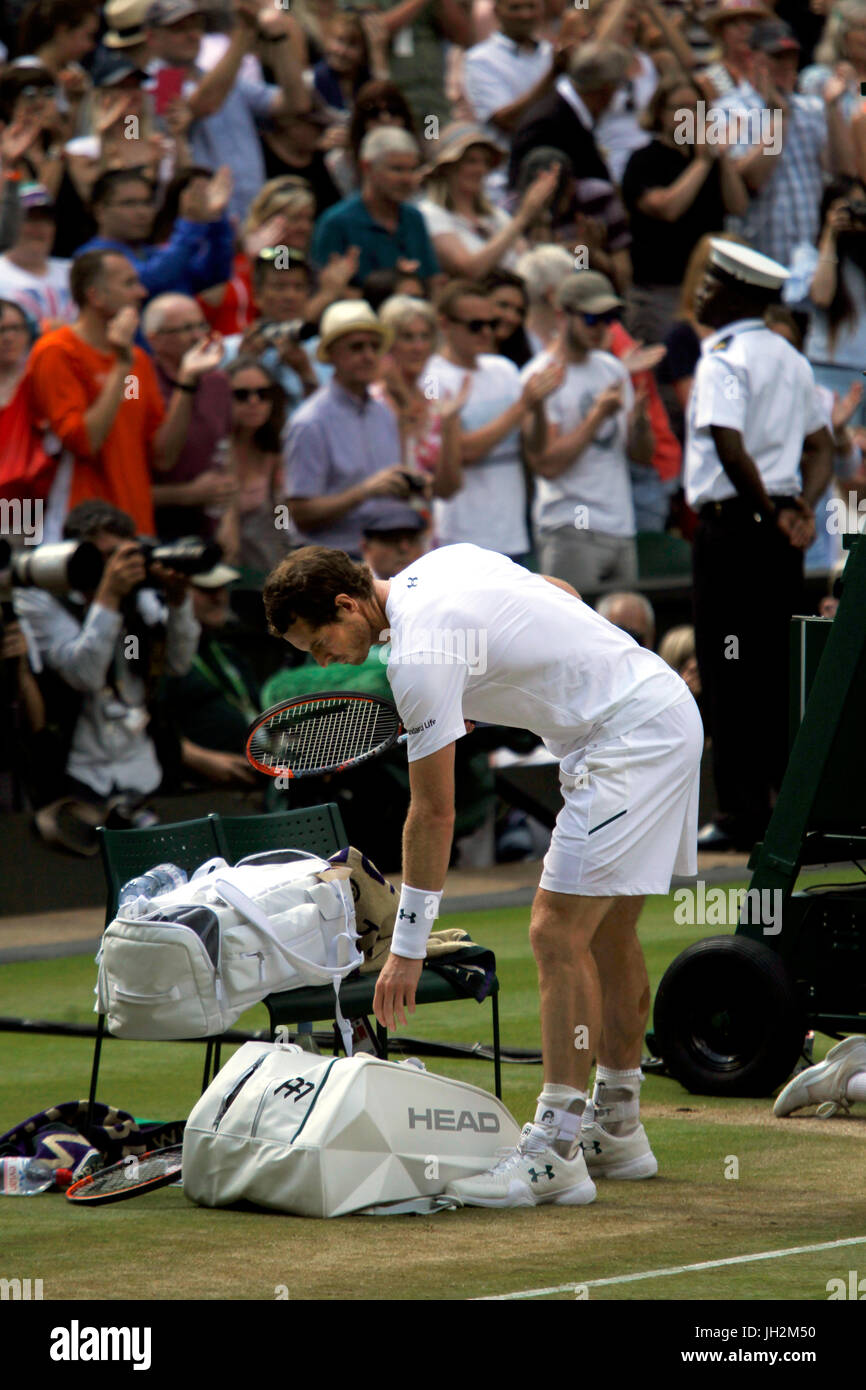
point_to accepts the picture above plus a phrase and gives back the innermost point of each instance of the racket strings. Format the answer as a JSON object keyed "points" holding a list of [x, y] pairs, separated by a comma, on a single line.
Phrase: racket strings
{"points": [[322, 734]]}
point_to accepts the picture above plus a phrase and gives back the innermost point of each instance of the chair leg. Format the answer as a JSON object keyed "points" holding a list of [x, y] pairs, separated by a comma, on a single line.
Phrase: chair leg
{"points": [[497, 1061], [207, 1061], [217, 1053], [94, 1071], [382, 1040]]}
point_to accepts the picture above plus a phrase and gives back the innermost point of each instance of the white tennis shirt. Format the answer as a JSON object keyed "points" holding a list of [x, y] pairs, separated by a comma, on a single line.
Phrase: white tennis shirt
{"points": [[475, 636]]}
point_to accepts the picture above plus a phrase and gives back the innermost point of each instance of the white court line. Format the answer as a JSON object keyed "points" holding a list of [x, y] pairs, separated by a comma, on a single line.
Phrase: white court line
{"points": [[675, 1269]]}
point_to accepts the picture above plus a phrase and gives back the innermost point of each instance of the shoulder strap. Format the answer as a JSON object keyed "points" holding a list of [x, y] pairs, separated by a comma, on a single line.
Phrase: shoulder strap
{"points": [[343, 954]]}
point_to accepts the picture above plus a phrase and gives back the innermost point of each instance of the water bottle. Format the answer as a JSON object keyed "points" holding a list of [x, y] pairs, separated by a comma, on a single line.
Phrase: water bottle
{"points": [[135, 895], [25, 1177]]}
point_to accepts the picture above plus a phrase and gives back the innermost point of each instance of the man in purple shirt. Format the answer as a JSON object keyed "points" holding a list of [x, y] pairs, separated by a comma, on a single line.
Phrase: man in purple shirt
{"points": [[340, 438], [172, 325]]}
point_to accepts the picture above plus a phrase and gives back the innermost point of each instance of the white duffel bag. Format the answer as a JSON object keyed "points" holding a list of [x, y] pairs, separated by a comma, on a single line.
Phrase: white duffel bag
{"points": [[208, 950], [320, 1136]]}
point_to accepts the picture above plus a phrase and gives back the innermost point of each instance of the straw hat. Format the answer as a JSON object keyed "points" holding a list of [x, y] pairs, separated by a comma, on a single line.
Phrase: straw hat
{"points": [[720, 13], [349, 316], [454, 141]]}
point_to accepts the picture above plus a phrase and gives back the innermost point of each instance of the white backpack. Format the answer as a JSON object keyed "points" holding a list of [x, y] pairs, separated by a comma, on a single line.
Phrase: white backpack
{"points": [[208, 950], [326, 1136]]}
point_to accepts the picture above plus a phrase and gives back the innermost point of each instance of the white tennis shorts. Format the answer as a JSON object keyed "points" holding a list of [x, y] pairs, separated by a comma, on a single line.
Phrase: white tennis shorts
{"points": [[630, 818]]}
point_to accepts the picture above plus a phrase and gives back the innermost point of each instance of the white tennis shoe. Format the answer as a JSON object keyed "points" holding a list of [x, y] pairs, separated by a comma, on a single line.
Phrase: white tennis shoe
{"points": [[617, 1155], [529, 1176], [826, 1083]]}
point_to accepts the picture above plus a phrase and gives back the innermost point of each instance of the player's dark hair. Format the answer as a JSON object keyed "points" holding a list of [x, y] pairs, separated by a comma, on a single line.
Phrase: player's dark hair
{"points": [[305, 585]]}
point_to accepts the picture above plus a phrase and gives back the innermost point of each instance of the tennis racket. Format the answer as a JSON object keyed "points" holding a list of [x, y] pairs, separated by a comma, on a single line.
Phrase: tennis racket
{"points": [[319, 733], [129, 1178]]}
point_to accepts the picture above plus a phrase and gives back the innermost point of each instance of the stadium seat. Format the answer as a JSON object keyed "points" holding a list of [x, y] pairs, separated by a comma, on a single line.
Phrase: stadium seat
{"points": [[661, 555], [317, 829]]}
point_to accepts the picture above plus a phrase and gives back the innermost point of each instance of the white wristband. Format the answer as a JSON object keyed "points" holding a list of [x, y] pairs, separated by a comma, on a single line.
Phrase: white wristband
{"points": [[416, 914]]}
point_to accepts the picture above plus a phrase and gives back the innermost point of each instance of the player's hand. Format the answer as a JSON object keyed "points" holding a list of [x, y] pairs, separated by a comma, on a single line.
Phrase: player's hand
{"points": [[797, 522], [395, 990]]}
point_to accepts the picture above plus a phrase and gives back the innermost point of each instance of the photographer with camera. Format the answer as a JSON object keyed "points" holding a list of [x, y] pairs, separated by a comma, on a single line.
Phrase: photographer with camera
{"points": [[832, 280], [282, 281], [103, 653]]}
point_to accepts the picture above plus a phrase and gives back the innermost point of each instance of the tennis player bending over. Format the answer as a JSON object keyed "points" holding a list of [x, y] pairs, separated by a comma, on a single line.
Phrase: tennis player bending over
{"points": [[476, 637]]}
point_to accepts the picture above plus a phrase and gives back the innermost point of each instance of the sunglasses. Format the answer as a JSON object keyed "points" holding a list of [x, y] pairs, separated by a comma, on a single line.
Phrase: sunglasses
{"points": [[269, 254], [248, 393], [609, 316], [39, 93], [479, 325]]}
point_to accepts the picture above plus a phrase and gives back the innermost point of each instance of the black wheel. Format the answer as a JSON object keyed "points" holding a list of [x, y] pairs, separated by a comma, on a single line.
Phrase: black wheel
{"points": [[727, 1019]]}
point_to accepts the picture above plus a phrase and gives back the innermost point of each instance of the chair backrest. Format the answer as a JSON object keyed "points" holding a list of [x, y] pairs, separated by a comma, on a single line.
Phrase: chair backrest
{"points": [[127, 853], [318, 829]]}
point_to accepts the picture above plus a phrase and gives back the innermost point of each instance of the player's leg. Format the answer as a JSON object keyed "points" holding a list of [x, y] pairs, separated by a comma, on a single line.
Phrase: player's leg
{"points": [[561, 931], [614, 1141], [548, 1165]]}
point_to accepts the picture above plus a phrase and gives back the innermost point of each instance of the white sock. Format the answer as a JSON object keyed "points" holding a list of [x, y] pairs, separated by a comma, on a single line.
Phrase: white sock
{"points": [[562, 1106], [856, 1089], [616, 1099]]}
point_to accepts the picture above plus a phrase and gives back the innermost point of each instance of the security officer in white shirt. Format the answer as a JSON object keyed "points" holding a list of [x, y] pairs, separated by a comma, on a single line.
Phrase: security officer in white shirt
{"points": [[758, 456]]}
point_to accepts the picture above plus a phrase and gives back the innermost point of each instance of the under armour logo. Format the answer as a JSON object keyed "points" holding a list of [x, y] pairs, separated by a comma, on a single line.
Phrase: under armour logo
{"points": [[409, 916], [548, 1173], [410, 583], [596, 1147]]}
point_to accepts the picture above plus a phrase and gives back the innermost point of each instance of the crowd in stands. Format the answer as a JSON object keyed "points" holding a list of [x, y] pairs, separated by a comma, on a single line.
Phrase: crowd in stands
{"points": [[384, 277]]}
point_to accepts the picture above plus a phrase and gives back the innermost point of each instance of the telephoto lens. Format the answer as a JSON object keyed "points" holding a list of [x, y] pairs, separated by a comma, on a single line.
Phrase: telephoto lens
{"points": [[58, 569], [187, 555]]}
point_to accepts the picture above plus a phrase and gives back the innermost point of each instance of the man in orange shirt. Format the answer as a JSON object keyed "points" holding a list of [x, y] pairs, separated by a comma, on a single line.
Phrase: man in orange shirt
{"points": [[98, 393]]}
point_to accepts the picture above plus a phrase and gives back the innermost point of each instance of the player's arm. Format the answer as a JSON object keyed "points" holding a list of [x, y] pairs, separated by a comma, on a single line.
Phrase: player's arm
{"points": [[427, 838], [561, 584]]}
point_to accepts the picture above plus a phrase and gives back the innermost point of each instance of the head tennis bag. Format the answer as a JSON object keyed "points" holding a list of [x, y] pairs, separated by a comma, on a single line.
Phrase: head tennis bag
{"points": [[326, 1136], [208, 950]]}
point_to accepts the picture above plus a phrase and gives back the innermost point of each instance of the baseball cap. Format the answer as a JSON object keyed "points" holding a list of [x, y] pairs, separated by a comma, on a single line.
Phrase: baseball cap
{"points": [[588, 291], [748, 266], [392, 515], [215, 578], [112, 67], [774, 37]]}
